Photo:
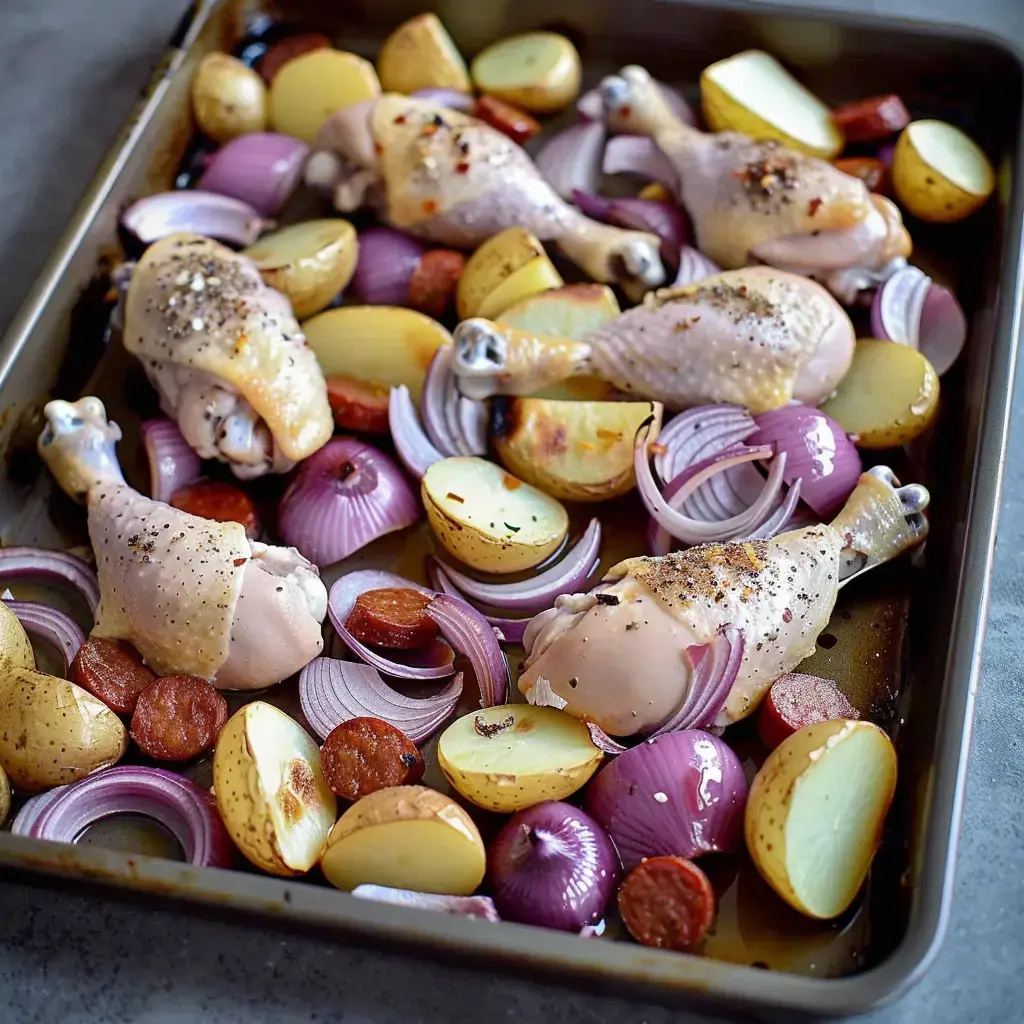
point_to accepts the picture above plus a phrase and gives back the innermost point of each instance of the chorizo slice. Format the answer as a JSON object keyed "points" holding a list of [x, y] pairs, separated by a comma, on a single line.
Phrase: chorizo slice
{"points": [[796, 700], [668, 903], [363, 755], [392, 617], [113, 671], [872, 119], [220, 502], [178, 717], [432, 285]]}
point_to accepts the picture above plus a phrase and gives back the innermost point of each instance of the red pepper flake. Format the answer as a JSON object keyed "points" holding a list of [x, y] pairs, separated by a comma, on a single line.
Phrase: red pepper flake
{"points": [[430, 206], [787, 615], [511, 483], [456, 497], [461, 167], [239, 561], [625, 111], [428, 129], [378, 148], [812, 206], [609, 435], [400, 119], [659, 449]]}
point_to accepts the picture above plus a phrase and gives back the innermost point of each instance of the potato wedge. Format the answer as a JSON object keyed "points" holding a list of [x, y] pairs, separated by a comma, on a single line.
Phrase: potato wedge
{"points": [[407, 837], [574, 451], [753, 93], [489, 519], [508, 267], [571, 311], [228, 98], [513, 756], [15, 646], [420, 54], [309, 263], [308, 89], [271, 791], [815, 813], [939, 174], [889, 395], [53, 732], [5, 796], [386, 345], [538, 71]]}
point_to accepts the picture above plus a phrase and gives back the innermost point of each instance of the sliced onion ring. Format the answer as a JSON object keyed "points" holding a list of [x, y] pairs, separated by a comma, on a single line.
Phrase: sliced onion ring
{"points": [[22, 562], [662, 219], [471, 635], [172, 461], [638, 154], [332, 692], [464, 906], [571, 159], [411, 443], [176, 803], [54, 627], [195, 211], [512, 630], [693, 266]]}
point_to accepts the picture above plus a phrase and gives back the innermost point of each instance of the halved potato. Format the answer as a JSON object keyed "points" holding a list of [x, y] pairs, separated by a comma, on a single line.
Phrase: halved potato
{"points": [[939, 173], [406, 837], [15, 646], [309, 88], [309, 262], [538, 71], [889, 395], [571, 311], [271, 791], [815, 813], [228, 98], [489, 279], [513, 756], [420, 54], [386, 345], [575, 451], [489, 519], [53, 732], [753, 93]]}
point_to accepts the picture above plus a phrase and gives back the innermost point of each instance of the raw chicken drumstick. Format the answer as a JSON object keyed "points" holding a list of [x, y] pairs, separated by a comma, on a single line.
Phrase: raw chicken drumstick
{"points": [[758, 202], [624, 655], [194, 597], [452, 179], [757, 337], [226, 356]]}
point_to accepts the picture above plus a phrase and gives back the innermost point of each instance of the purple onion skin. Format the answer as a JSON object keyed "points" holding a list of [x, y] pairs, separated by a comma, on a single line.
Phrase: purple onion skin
{"points": [[682, 794], [553, 866]]}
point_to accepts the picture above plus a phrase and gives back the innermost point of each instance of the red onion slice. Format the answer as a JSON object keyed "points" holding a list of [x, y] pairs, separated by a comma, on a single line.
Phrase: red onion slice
{"points": [[512, 630], [471, 635], [662, 219], [693, 266], [411, 443], [172, 461], [943, 331], [781, 519], [571, 159], [332, 692], [22, 562], [201, 213], [432, 662], [637, 154], [176, 803], [698, 433], [435, 399], [54, 627], [472, 418], [261, 168], [464, 906], [450, 98], [386, 263]]}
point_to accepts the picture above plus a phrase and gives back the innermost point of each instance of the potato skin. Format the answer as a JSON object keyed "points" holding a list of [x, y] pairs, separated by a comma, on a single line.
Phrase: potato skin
{"points": [[228, 98], [15, 646], [53, 732], [5, 796], [403, 803]]}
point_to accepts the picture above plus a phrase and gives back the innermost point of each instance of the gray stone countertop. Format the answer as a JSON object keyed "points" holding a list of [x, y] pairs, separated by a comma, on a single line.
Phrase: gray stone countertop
{"points": [[70, 71]]}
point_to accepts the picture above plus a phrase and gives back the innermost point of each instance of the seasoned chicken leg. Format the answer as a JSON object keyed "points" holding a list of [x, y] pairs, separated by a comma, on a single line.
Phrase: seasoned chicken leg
{"points": [[758, 202], [757, 337], [452, 179], [226, 355], [193, 596], [621, 655]]}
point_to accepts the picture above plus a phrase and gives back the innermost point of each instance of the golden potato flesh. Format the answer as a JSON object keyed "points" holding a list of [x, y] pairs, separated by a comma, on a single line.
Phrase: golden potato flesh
{"points": [[420, 54], [537, 71], [572, 311]]}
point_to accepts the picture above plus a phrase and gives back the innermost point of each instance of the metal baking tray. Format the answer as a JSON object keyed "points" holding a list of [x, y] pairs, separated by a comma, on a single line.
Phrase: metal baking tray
{"points": [[916, 673]]}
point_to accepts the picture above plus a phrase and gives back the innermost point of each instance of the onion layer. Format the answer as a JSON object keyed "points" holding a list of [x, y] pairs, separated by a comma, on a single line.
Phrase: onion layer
{"points": [[455, 425], [472, 635], [464, 906], [693, 266], [262, 169], [172, 461], [511, 631], [201, 213], [387, 260], [662, 219], [637, 154], [21, 562], [411, 443], [571, 159], [54, 627]]}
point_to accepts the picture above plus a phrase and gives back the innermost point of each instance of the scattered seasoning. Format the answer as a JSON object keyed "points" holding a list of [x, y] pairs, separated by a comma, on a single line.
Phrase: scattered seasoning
{"points": [[630, 626], [461, 167], [813, 205], [458, 498], [400, 119], [611, 600], [430, 207], [511, 483], [490, 731], [514, 529]]}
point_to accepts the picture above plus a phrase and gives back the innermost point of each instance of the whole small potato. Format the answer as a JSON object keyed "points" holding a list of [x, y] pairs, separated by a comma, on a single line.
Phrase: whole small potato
{"points": [[228, 98]]}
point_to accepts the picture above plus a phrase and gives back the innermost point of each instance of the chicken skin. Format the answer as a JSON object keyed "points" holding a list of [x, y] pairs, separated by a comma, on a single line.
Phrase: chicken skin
{"points": [[758, 202], [193, 596], [226, 356], [449, 178], [756, 337], [623, 656]]}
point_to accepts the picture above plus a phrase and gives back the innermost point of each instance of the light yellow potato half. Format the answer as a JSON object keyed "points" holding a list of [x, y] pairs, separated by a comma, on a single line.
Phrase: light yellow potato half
{"points": [[386, 345], [270, 790], [15, 646], [53, 732], [571, 311], [816, 810], [311, 87], [228, 98], [490, 519], [407, 837], [420, 54], [309, 263], [889, 395], [513, 756], [939, 174], [574, 451], [537, 71], [753, 93]]}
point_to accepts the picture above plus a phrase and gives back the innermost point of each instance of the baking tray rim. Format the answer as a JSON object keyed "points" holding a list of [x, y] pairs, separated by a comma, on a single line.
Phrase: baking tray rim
{"points": [[652, 972]]}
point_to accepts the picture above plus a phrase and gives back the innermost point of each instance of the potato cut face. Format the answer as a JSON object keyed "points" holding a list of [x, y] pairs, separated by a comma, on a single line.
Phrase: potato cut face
{"points": [[572, 311], [304, 241], [425, 855], [953, 154], [536, 276], [519, 61], [492, 264]]}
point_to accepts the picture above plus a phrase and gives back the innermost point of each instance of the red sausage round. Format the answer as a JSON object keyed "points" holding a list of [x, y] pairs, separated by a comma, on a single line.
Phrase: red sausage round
{"points": [[219, 501], [113, 671], [796, 700], [392, 617], [178, 717], [667, 902], [363, 755]]}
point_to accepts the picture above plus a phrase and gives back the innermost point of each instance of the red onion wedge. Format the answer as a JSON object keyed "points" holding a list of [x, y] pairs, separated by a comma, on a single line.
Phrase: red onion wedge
{"points": [[202, 213], [23, 562], [332, 692], [818, 452], [51, 626], [637, 154], [681, 794], [511, 630], [387, 260], [471, 635], [431, 662], [911, 309], [464, 906], [571, 159], [693, 266], [172, 461], [411, 443], [342, 498], [176, 803], [662, 219], [261, 168], [450, 98], [454, 424]]}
